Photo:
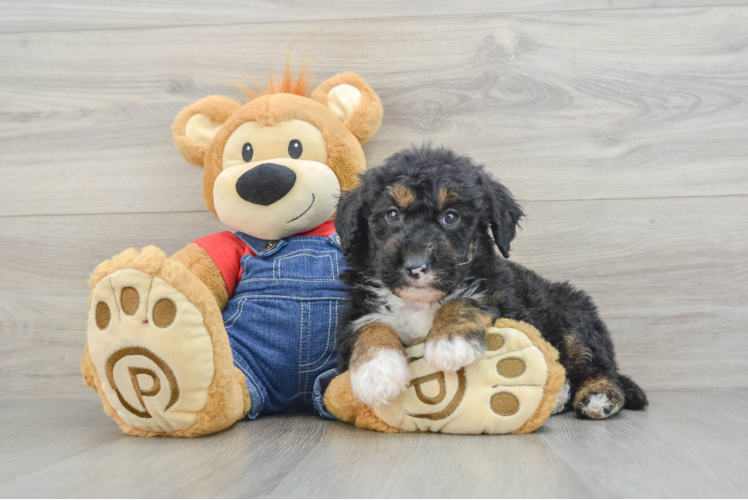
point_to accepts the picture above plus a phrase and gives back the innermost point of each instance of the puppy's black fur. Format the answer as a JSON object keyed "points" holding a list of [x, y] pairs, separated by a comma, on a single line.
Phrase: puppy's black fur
{"points": [[463, 254]]}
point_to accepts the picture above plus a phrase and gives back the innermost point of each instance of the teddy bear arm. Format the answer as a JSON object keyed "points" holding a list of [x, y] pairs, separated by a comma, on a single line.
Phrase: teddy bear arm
{"points": [[198, 261]]}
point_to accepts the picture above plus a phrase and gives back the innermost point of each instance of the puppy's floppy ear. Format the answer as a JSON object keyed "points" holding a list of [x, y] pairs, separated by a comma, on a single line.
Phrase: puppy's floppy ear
{"points": [[350, 221], [351, 99], [197, 124], [502, 212]]}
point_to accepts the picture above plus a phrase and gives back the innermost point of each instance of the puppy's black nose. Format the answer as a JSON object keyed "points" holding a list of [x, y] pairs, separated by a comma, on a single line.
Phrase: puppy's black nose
{"points": [[265, 184], [416, 265]]}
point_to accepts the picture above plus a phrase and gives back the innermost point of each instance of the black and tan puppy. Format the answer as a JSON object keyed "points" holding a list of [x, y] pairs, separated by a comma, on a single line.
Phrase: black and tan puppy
{"points": [[415, 234]]}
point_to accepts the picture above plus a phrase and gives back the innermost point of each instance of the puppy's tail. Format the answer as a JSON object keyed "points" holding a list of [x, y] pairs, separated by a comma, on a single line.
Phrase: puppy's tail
{"points": [[635, 397]]}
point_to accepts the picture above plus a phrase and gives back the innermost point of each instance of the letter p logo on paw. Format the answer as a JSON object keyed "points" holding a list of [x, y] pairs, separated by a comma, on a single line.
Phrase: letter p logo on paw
{"points": [[133, 383]]}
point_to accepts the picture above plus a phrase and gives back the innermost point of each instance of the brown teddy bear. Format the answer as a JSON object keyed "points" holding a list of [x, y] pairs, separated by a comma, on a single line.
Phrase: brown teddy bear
{"points": [[240, 324]]}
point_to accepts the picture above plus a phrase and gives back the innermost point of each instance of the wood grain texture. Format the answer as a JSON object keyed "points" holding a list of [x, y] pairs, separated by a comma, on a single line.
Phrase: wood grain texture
{"points": [[54, 15], [670, 278], [680, 447], [560, 105]]}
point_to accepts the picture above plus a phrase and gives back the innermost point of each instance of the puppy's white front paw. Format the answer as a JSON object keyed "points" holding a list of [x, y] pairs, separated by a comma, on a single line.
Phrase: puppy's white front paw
{"points": [[449, 355], [382, 379]]}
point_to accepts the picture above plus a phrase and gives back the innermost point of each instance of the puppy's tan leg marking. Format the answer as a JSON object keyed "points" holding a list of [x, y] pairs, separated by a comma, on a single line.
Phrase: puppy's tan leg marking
{"points": [[372, 338], [457, 336], [459, 318], [379, 369], [599, 398]]}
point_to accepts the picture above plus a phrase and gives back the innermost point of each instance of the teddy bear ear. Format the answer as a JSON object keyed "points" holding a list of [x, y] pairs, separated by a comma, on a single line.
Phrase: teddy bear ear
{"points": [[351, 99], [196, 125]]}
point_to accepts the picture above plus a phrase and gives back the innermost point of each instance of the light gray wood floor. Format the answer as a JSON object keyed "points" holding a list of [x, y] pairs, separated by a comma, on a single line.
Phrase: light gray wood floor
{"points": [[689, 444], [621, 126]]}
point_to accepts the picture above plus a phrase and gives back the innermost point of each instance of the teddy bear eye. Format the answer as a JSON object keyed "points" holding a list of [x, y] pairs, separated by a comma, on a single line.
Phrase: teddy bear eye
{"points": [[247, 152], [295, 149]]}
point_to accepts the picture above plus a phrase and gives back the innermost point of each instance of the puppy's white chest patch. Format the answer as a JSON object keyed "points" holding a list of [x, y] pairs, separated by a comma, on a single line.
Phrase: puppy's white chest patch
{"points": [[411, 320]]}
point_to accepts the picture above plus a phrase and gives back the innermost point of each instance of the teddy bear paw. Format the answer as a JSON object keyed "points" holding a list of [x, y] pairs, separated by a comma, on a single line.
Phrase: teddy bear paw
{"points": [[151, 350], [511, 387]]}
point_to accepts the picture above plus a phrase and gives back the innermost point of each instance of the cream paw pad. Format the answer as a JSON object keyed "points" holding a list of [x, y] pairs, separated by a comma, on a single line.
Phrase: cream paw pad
{"points": [[511, 388]]}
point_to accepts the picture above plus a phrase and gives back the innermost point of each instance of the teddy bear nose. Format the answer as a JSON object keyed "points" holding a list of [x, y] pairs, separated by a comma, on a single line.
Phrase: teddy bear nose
{"points": [[265, 184]]}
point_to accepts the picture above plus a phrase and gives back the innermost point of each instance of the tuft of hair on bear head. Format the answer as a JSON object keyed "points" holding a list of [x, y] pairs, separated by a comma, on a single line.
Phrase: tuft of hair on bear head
{"points": [[301, 85]]}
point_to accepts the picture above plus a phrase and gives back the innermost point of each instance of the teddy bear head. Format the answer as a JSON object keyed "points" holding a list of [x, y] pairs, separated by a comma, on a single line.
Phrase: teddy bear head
{"points": [[276, 166]]}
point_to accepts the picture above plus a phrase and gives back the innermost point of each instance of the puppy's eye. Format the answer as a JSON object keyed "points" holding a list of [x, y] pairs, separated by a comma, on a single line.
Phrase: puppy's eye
{"points": [[451, 218], [393, 216], [247, 152], [295, 149]]}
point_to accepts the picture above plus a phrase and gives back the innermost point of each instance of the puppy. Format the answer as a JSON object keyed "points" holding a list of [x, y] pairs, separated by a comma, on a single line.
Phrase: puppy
{"points": [[415, 234]]}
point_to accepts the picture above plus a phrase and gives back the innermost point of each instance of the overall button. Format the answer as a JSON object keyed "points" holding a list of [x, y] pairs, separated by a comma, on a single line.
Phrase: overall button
{"points": [[269, 245], [337, 240]]}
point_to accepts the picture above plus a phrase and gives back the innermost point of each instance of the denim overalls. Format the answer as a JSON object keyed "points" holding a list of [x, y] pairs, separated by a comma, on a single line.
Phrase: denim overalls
{"points": [[282, 318]]}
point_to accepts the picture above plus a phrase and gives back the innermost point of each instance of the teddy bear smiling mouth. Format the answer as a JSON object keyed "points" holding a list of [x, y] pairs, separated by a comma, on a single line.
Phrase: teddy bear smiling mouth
{"points": [[304, 212]]}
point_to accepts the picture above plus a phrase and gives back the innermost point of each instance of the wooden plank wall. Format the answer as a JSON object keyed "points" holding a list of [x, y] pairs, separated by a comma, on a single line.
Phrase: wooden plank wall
{"points": [[622, 130]]}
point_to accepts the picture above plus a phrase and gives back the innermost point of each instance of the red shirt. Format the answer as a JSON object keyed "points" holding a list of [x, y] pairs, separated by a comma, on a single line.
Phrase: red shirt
{"points": [[227, 250]]}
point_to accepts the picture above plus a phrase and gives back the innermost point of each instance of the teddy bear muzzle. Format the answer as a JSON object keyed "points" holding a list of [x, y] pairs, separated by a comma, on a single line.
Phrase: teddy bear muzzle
{"points": [[277, 197]]}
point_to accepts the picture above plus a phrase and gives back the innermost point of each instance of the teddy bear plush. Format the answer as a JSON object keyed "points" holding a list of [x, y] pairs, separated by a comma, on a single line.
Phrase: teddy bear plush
{"points": [[242, 324], [237, 324]]}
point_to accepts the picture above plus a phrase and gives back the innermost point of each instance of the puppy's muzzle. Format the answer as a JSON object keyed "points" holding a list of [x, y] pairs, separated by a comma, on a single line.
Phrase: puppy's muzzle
{"points": [[265, 184]]}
